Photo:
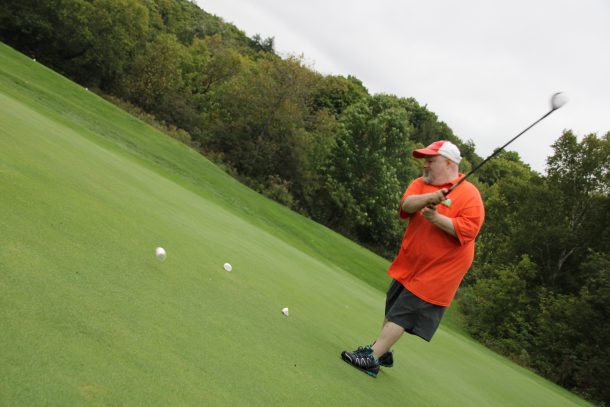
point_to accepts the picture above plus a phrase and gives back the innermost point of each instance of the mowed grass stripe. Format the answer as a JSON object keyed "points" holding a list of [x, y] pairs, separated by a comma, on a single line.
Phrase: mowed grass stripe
{"points": [[88, 251], [78, 108], [90, 317]]}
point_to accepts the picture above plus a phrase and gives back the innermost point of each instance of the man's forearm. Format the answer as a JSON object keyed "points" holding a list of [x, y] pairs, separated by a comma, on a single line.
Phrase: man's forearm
{"points": [[414, 203], [444, 223]]}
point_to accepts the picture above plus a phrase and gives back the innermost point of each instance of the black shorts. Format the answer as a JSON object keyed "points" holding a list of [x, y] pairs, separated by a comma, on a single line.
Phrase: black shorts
{"points": [[415, 315]]}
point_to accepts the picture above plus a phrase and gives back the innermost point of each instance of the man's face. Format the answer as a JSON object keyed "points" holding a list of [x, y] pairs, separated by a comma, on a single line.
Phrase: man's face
{"points": [[436, 169]]}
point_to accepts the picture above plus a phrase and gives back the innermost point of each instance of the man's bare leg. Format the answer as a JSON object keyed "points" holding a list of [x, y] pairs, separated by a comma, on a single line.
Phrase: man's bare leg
{"points": [[389, 335]]}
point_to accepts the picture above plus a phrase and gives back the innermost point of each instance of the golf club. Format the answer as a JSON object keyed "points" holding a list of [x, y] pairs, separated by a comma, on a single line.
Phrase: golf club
{"points": [[557, 100]]}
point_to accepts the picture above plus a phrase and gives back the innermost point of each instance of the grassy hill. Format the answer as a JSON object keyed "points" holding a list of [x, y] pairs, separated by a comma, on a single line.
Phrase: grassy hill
{"points": [[88, 316]]}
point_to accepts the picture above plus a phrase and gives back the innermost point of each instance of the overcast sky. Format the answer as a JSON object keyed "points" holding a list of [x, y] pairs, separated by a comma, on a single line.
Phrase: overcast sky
{"points": [[486, 68]]}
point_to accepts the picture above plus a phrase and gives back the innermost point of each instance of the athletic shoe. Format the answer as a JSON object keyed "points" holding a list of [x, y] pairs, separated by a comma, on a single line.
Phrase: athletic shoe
{"points": [[363, 360], [387, 359]]}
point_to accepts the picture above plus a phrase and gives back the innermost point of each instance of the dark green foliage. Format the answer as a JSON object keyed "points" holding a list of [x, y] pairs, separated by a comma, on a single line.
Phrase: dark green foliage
{"points": [[118, 29], [553, 314], [428, 129], [185, 20], [367, 172], [265, 45], [336, 93], [260, 120], [501, 310], [92, 41], [506, 164], [157, 72], [574, 338]]}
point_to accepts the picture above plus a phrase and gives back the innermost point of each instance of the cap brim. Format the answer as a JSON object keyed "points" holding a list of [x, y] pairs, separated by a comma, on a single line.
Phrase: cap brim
{"points": [[422, 152]]}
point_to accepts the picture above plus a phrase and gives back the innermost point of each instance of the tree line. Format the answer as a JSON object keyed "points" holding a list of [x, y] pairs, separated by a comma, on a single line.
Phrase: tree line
{"points": [[539, 291]]}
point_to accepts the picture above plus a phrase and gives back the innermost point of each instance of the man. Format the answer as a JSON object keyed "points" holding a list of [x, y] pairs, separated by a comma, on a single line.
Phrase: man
{"points": [[436, 252]]}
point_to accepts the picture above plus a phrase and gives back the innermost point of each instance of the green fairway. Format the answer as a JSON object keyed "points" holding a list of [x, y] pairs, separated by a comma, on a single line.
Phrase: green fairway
{"points": [[88, 316]]}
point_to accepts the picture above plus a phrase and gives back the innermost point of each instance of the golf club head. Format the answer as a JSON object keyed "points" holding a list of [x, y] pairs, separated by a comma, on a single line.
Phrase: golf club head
{"points": [[558, 99]]}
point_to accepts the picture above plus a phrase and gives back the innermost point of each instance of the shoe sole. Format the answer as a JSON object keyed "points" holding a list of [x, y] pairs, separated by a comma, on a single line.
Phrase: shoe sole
{"points": [[372, 374]]}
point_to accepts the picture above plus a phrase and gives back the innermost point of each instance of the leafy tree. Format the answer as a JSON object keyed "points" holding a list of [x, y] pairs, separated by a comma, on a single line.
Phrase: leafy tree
{"points": [[336, 93], [181, 18], [560, 223], [54, 31], [259, 119], [505, 164], [367, 172], [222, 64], [92, 41], [157, 72], [501, 310], [266, 45], [554, 219], [579, 174], [573, 342], [118, 30], [428, 129]]}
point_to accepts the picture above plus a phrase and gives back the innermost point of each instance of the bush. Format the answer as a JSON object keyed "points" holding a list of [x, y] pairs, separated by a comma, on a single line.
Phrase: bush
{"points": [[278, 190]]}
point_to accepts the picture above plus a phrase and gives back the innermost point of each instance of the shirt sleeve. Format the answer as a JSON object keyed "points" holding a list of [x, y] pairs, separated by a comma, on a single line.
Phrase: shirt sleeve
{"points": [[413, 189], [468, 223]]}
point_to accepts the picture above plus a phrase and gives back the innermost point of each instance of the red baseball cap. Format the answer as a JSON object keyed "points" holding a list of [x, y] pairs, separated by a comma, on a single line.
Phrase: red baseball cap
{"points": [[442, 147]]}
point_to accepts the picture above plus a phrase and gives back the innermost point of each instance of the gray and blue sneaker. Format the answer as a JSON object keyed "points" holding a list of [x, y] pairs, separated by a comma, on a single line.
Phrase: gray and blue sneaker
{"points": [[363, 360], [387, 359]]}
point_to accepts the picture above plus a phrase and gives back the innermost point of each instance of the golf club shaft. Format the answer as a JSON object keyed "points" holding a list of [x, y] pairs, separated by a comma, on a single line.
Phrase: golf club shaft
{"points": [[498, 151]]}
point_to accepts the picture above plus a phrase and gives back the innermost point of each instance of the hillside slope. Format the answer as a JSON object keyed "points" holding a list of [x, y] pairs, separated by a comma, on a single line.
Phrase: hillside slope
{"points": [[90, 317]]}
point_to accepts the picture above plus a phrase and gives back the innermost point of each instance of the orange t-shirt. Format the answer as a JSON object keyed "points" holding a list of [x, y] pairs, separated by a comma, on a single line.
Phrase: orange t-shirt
{"points": [[431, 263]]}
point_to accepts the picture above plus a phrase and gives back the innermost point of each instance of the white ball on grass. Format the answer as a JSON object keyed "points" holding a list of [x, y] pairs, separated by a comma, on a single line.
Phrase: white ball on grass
{"points": [[228, 267], [160, 253], [285, 311]]}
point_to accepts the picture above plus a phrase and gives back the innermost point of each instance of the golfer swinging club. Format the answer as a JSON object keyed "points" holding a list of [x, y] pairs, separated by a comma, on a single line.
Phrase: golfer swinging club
{"points": [[436, 252]]}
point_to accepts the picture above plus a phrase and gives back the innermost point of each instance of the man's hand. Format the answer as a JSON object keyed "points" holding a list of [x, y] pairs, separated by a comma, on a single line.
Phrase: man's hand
{"points": [[441, 221], [416, 202], [429, 212], [437, 197]]}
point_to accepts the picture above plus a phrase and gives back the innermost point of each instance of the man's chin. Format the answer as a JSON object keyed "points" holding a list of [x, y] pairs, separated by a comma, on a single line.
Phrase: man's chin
{"points": [[431, 181]]}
